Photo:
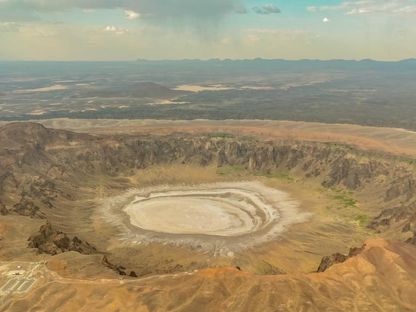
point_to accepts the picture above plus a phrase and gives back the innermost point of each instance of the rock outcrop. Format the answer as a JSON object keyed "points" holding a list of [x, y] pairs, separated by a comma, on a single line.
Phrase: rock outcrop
{"points": [[3, 209], [26, 207], [403, 213], [119, 269], [412, 240], [329, 261], [51, 241]]}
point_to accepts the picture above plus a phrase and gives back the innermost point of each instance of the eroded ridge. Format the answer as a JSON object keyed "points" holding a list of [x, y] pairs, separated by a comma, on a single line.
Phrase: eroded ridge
{"points": [[219, 216]]}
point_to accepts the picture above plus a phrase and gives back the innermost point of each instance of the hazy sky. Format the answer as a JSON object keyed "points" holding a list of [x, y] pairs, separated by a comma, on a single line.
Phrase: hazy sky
{"points": [[172, 29]]}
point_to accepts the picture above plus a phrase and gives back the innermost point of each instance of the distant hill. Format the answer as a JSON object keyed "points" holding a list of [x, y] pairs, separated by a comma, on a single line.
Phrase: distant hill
{"points": [[411, 61], [303, 64]]}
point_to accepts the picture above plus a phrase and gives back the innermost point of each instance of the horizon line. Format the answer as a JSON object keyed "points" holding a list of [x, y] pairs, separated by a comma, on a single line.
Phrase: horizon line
{"points": [[216, 59]]}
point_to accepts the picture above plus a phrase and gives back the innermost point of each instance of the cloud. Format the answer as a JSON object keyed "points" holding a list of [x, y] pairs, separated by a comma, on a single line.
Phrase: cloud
{"points": [[9, 26], [267, 9], [116, 30], [312, 9], [359, 7], [149, 9], [187, 10], [131, 15]]}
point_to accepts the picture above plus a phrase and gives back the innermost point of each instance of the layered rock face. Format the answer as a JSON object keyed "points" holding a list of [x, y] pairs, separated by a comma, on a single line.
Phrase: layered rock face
{"points": [[329, 261], [36, 162]]}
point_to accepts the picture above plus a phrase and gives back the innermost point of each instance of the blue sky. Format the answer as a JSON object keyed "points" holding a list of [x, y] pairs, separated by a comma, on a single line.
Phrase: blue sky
{"points": [[175, 29]]}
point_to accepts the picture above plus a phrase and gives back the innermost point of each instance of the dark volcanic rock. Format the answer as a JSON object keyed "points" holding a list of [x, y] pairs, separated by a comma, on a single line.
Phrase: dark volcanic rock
{"points": [[407, 228], [412, 240], [27, 207], [119, 269], [3, 210], [329, 261], [54, 242], [404, 214], [133, 274]]}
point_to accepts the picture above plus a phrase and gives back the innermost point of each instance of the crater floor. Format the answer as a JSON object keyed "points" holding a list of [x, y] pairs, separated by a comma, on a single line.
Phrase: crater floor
{"points": [[191, 215], [216, 214]]}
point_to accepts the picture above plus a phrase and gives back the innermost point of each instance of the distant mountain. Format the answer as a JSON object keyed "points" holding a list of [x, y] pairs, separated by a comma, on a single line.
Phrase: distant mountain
{"points": [[411, 61], [302, 64]]}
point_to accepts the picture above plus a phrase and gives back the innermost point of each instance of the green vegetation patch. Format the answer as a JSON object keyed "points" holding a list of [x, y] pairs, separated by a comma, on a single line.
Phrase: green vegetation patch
{"points": [[345, 198], [362, 219], [239, 170], [281, 175]]}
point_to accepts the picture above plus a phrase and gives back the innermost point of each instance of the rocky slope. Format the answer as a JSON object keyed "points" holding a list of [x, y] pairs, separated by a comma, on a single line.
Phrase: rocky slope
{"points": [[35, 163], [382, 277]]}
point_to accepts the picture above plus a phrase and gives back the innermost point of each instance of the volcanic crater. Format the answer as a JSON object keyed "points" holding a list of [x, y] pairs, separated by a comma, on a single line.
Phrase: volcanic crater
{"points": [[137, 205]]}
